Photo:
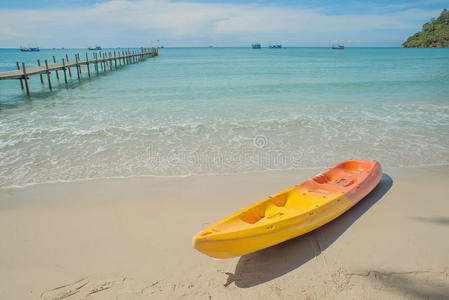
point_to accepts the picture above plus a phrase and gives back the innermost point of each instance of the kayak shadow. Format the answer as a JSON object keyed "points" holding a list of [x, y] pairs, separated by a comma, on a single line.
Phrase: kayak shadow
{"points": [[267, 264]]}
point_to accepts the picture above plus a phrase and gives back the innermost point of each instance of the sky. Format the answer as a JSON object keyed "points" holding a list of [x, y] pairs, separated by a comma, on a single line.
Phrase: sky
{"points": [[178, 23]]}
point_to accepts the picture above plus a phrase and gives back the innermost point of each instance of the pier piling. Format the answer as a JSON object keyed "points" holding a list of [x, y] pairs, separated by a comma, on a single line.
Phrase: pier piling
{"points": [[87, 63], [48, 74], [96, 63], [65, 72], [77, 66], [70, 71], [40, 75], [21, 81], [56, 71], [101, 62], [25, 77]]}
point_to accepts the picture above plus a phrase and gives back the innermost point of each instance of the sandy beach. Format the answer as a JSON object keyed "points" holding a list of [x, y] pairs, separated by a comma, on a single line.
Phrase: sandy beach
{"points": [[131, 239]]}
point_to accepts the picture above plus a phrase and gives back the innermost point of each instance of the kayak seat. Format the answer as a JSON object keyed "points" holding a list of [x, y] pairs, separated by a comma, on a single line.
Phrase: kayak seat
{"points": [[274, 207], [336, 180], [273, 211]]}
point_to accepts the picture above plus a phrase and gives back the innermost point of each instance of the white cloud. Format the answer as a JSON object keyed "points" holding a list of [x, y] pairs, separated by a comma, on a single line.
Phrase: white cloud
{"points": [[185, 21]]}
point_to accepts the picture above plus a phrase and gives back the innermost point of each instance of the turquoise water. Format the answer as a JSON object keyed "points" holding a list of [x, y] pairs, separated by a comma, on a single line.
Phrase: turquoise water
{"points": [[197, 111]]}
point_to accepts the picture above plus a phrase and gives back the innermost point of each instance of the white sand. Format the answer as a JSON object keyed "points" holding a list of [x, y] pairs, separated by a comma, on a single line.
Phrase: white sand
{"points": [[131, 239]]}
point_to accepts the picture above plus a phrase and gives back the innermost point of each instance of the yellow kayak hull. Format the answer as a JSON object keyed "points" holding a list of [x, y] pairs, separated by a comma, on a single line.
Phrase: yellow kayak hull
{"points": [[290, 213]]}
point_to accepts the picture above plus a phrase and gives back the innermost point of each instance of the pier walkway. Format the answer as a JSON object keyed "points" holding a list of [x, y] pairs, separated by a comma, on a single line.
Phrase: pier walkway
{"points": [[103, 61]]}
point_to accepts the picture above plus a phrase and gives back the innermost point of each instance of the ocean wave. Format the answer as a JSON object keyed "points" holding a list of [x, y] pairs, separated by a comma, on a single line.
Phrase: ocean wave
{"points": [[395, 134]]}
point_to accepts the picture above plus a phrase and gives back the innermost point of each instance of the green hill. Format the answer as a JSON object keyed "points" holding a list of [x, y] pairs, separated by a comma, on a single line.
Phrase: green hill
{"points": [[434, 34]]}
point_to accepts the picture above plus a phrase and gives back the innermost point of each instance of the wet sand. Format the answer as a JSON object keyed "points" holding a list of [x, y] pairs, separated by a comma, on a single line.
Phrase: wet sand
{"points": [[131, 239]]}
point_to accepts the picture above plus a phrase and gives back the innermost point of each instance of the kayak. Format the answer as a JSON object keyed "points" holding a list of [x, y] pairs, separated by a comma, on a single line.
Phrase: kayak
{"points": [[292, 212]]}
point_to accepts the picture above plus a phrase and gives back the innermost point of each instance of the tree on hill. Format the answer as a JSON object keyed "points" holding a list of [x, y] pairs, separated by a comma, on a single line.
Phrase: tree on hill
{"points": [[434, 34]]}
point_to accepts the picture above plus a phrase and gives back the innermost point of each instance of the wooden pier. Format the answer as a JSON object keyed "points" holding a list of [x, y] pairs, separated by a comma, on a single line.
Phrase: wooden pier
{"points": [[101, 60]]}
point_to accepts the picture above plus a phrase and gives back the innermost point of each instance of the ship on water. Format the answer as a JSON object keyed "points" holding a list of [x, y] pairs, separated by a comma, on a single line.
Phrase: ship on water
{"points": [[30, 49], [275, 46], [338, 47], [97, 48], [256, 46]]}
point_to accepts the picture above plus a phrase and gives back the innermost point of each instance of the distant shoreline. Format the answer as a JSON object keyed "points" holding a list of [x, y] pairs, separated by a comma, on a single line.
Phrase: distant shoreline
{"points": [[244, 47]]}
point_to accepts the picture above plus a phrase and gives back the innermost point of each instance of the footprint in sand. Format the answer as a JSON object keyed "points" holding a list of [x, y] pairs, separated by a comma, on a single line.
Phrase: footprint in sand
{"points": [[82, 288], [64, 291]]}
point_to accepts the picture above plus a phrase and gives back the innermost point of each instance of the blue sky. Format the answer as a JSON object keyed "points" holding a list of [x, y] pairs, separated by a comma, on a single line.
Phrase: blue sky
{"points": [[127, 23]]}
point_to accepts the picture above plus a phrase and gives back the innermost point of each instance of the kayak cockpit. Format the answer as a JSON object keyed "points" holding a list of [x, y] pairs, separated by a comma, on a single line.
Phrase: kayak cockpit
{"points": [[341, 178], [285, 205]]}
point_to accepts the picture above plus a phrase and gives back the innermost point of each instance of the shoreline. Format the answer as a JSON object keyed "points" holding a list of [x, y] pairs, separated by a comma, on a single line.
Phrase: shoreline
{"points": [[131, 238], [269, 171]]}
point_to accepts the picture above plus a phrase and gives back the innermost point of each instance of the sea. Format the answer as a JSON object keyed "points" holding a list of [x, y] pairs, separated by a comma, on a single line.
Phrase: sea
{"points": [[208, 111]]}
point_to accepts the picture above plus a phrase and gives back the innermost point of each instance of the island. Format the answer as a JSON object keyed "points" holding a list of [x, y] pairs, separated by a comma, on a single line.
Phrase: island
{"points": [[434, 34]]}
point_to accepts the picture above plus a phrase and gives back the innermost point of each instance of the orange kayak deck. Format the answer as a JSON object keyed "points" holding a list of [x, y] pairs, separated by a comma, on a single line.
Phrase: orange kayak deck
{"points": [[292, 212]]}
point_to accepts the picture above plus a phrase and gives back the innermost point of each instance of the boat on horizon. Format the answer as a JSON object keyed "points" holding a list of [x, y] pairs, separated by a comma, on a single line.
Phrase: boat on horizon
{"points": [[275, 46], [30, 49], [97, 48], [338, 47], [256, 46]]}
